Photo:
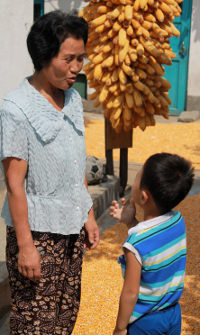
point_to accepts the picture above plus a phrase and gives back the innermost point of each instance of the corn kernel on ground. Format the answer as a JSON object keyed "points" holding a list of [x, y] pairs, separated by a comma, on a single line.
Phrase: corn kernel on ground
{"points": [[101, 280], [180, 138]]}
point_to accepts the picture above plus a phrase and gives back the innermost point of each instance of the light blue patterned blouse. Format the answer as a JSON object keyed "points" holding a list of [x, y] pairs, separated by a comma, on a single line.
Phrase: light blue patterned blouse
{"points": [[53, 144]]}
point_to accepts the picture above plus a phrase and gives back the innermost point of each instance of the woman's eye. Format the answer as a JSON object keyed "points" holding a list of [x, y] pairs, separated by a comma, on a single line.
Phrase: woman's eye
{"points": [[80, 59], [69, 59]]}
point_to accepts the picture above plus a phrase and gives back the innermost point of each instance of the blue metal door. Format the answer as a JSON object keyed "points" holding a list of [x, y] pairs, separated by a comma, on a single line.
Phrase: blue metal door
{"points": [[177, 73], [38, 9]]}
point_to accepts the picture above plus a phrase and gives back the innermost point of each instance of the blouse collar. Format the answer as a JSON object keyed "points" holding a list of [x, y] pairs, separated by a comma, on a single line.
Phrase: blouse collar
{"points": [[43, 117]]}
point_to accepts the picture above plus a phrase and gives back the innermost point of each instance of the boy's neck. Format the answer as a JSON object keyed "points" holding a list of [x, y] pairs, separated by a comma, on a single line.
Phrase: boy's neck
{"points": [[151, 213]]}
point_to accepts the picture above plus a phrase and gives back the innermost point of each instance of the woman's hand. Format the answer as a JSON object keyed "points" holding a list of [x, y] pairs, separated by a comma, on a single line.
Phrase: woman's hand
{"points": [[29, 263], [120, 332], [92, 237]]}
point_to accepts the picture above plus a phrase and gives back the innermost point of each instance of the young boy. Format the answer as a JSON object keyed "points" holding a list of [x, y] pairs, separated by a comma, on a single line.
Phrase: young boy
{"points": [[154, 257]]}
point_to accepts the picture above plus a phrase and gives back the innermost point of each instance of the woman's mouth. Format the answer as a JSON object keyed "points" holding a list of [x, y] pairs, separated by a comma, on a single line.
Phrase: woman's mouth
{"points": [[71, 80]]}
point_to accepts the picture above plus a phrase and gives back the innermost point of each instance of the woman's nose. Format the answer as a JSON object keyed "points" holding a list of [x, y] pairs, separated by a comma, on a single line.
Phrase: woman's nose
{"points": [[76, 66]]}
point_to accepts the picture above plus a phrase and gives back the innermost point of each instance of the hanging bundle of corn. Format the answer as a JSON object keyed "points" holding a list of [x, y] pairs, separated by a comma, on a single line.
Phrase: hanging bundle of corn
{"points": [[127, 47]]}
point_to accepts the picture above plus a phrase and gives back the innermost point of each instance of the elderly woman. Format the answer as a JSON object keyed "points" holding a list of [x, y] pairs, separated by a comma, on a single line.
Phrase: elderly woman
{"points": [[48, 211]]}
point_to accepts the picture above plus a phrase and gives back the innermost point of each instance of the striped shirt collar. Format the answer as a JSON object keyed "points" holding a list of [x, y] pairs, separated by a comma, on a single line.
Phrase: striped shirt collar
{"points": [[152, 222]]}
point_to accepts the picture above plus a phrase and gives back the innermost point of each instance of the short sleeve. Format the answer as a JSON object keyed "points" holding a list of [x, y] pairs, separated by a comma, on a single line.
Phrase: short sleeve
{"points": [[131, 248], [13, 136]]}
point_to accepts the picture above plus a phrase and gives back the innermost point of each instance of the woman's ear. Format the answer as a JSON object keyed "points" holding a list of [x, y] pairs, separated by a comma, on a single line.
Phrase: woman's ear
{"points": [[144, 197]]}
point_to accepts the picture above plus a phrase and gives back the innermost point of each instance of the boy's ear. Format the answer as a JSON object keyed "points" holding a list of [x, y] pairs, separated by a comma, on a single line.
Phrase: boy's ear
{"points": [[144, 197]]}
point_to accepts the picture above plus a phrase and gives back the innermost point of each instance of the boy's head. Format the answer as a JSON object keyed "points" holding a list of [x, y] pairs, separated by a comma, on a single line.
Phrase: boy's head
{"points": [[167, 178]]}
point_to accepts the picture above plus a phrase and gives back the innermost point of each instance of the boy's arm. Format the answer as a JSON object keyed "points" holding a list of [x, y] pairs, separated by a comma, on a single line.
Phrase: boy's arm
{"points": [[129, 294]]}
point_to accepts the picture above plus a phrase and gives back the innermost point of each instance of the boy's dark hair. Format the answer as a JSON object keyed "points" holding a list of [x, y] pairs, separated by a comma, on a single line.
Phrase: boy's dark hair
{"points": [[48, 33], [168, 178]]}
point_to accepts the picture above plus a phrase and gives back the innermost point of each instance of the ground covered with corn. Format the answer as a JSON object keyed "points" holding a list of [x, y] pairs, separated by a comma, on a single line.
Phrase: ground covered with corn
{"points": [[101, 281]]}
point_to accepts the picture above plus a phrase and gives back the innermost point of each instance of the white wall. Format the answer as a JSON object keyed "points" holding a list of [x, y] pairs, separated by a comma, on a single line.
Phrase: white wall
{"points": [[194, 58], [16, 17], [64, 5]]}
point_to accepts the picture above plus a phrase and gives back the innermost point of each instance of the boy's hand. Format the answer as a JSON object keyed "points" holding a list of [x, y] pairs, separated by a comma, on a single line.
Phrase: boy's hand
{"points": [[116, 210]]}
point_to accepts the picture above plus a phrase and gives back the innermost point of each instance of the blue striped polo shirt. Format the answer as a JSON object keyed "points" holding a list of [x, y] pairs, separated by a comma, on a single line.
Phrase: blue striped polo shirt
{"points": [[159, 245]]}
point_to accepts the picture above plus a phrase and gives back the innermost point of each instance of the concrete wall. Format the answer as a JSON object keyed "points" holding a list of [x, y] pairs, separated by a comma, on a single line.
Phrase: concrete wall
{"points": [[64, 5], [16, 18], [194, 61]]}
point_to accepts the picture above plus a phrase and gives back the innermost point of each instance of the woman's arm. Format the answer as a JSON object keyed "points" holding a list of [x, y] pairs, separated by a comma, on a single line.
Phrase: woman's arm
{"points": [[129, 294], [28, 257], [91, 228]]}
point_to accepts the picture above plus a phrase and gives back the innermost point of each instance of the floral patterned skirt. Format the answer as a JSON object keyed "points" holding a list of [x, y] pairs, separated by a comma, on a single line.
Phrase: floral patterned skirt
{"points": [[50, 305]]}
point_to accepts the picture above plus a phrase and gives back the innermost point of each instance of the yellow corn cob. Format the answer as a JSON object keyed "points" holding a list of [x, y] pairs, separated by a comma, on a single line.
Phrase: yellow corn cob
{"points": [[170, 53], [136, 5], [157, 67], [133, 54], [135, 24], [102, 9], [122, 37], [149, 17], [127, 45], [149, 108], [142, 74], [123, 52], [143, 3], [129, 88], [118, 101], [129, 99], [139, 110], [175, 31], [130, 31], [147, 25], [122, 77], [140, 49], [137, 98], [94, 95], [98, 21], [134, 42], [108, 61], [127, 69], [98, 72], [99, 58], [122, 87], [114, 87], [165, 83], [115, 75], [150, 47], [128, 14], [127, 60], [115, 13], [165, 8], [104, 93], [145, 32], [142, 123], [159, 15], [121, 17], [165, 95], [127, 113], [117, 26]]}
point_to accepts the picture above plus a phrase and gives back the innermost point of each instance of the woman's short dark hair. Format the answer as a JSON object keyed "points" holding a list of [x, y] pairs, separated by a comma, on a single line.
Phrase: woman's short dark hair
{"points": [[48, 33], [168, 178]]}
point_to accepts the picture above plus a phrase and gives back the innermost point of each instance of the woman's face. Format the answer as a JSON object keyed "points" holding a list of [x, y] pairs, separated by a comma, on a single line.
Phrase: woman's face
{"points": [[63, 69]]}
